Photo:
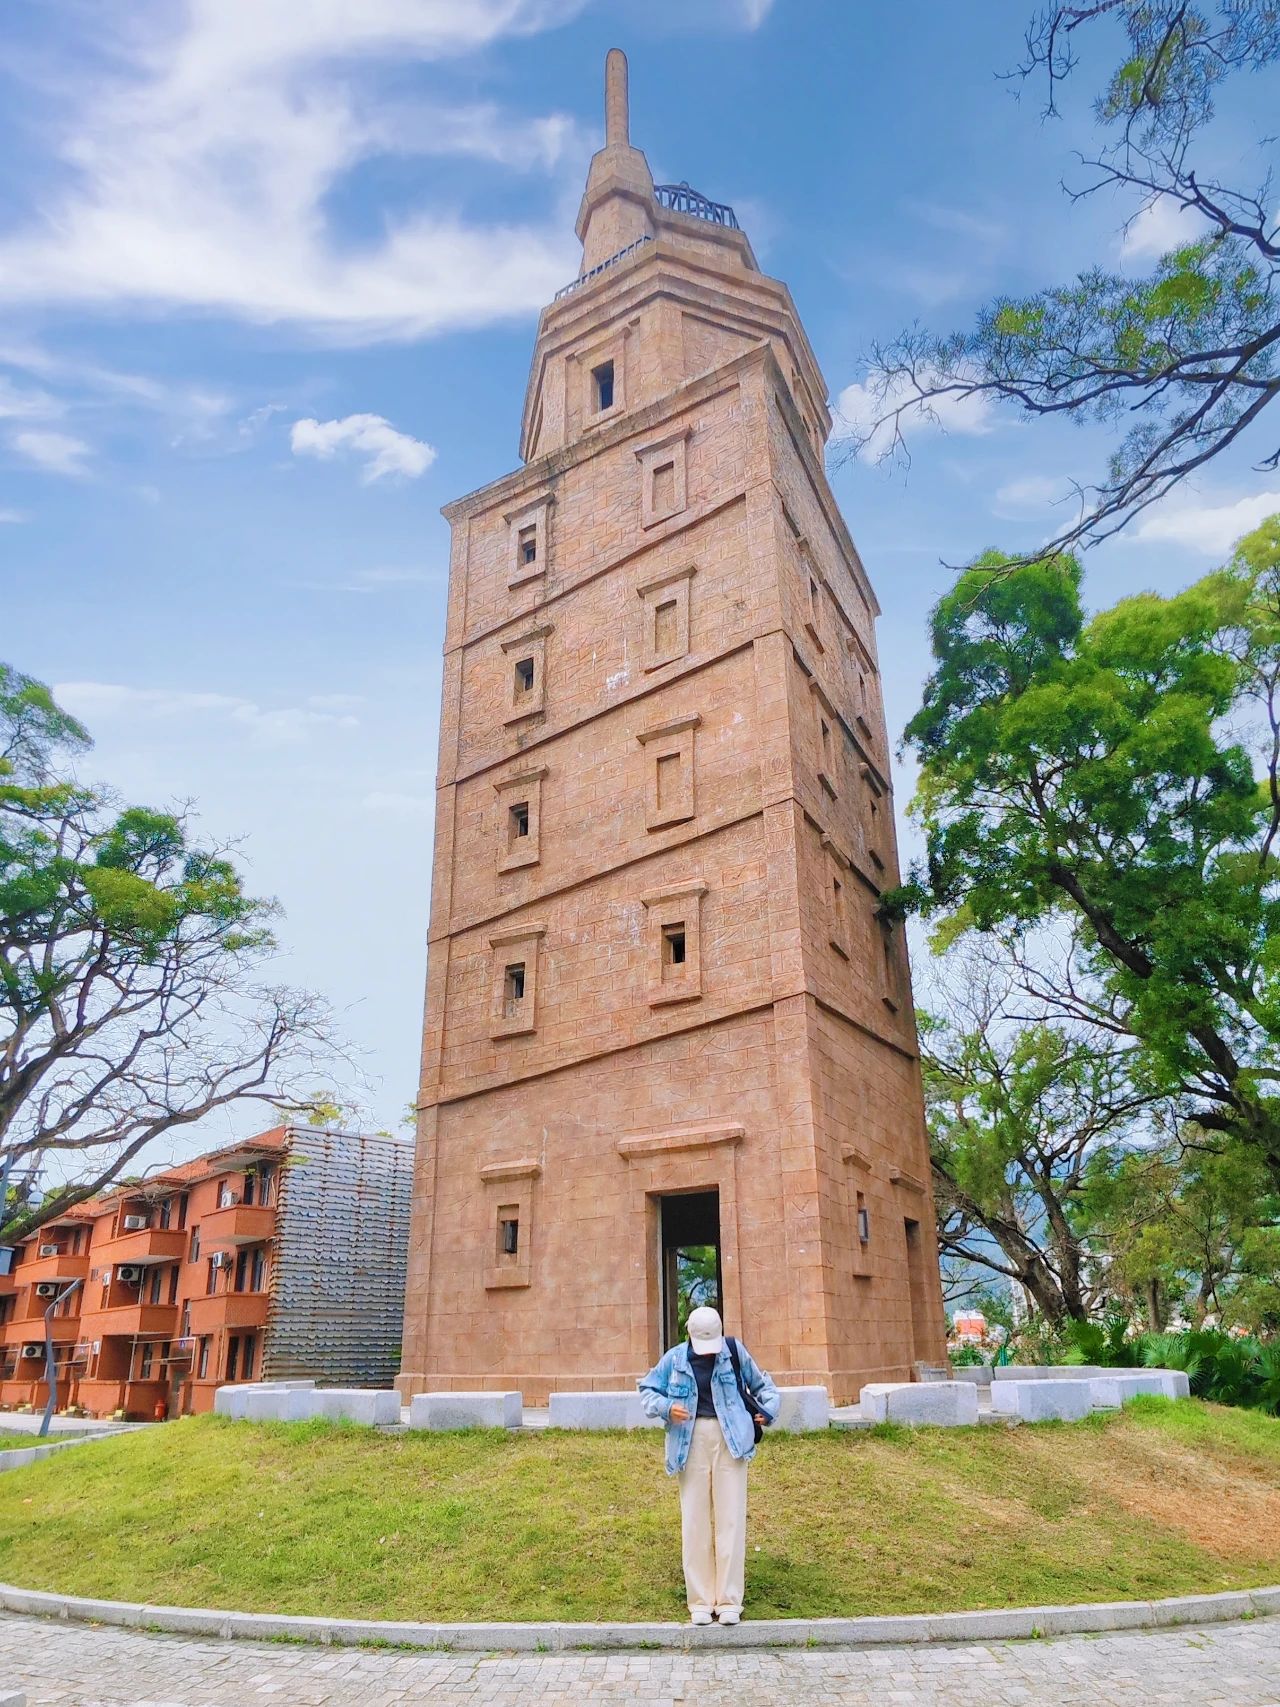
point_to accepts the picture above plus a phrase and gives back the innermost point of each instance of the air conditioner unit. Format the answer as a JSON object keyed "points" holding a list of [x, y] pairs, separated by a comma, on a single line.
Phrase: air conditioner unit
{"points": [[49, 1251], [130, 1273], [135, 1223], [221, 1259], [228, 1199], [33, 1351], [47, 1289]]}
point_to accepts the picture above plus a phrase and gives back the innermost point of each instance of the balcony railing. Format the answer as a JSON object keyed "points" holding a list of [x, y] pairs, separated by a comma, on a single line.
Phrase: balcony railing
{"points": [[228, 1310], [133, 1319], [151, 1244], [586, 278], [679, 198], [238, 1224], [64, 1267]]}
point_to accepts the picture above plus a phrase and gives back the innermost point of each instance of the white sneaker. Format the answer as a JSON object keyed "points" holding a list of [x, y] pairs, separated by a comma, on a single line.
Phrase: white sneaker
{"points": [[700, 1618], [729, 1615]]}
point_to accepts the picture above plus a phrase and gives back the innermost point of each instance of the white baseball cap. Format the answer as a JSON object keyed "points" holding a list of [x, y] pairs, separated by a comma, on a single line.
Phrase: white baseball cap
{"points": [[705, 1330]]}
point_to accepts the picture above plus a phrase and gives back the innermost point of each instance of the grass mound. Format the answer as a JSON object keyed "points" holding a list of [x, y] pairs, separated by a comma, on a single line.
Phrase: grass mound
{"points": [[323, 1519]]}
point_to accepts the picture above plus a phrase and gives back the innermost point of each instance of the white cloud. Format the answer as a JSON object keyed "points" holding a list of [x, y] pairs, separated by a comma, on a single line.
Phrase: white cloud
{"points": [[1031, 495], [267, 726], [1204, 526], [200, 174], [386, 451], [754, 12], [56, 453], [1161, 226], [859, 407]]}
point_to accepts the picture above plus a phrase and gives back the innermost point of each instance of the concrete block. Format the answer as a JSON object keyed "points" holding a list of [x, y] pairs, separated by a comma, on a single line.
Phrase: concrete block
{"points": [[257, 1404], [9, 1699], [1175, 1382], [1043, 1401], [804, 1410], [1111, 1391], [466, 1410], [978, 1373], [940, 1404], [598, 1410], [1046, 1372], [377, 1406]]}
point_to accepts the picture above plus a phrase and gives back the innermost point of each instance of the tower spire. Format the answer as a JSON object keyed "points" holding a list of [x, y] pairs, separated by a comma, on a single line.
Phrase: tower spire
{"points": [[616, 115]]}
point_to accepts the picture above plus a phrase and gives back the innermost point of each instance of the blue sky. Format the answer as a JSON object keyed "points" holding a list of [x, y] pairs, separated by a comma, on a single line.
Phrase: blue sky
{"points": [[269, 274]]}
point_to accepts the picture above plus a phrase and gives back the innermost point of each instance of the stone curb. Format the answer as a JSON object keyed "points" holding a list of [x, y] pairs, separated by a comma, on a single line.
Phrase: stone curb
{"points": [[14, 1458], [1000, 1625]]}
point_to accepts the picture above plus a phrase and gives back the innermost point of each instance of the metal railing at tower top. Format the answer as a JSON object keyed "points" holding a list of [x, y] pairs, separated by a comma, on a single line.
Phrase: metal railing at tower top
{"points": [[585, 278], [681, 199]]}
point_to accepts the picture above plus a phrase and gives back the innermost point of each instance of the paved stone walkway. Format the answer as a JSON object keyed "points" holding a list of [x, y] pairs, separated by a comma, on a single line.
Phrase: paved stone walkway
{"points": [[75, 1665]]}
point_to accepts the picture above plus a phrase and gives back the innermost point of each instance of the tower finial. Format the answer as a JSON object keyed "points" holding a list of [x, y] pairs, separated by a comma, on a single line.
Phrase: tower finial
{"points": [[616, 126]]}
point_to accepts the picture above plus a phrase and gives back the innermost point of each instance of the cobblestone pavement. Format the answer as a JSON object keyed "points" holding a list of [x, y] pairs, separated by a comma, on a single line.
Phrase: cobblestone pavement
{"points": [[74, 1665]]}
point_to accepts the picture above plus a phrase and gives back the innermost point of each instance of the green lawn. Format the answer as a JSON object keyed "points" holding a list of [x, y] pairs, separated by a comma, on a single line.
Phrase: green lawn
{"points": [[313, 1518]]}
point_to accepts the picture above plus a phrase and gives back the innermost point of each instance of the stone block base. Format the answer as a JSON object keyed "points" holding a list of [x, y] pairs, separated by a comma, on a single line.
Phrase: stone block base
{"points": [[1043, 1401], [937, 1404], [597, 1410], [297, 1403], [466, 1410], [1046, 1372], [977, 1374], [1111, 1391], [804, 1410]]}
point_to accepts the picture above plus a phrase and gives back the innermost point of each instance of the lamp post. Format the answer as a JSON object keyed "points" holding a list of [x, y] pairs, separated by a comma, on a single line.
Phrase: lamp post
{"points": [[50, 1368]]}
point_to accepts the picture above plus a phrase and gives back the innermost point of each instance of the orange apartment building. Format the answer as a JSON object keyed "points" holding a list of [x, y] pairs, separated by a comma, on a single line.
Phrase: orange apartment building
{"points": [[666, 1012], [281, 1255]]}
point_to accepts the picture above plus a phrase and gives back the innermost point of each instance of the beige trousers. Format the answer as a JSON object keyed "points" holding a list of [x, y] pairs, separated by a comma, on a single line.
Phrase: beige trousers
{"points": [[713, 1517]]}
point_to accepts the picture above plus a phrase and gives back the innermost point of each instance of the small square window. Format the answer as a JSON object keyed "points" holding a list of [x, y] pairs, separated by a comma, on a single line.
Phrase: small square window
{"points": [[864, 1221], [673, 944], [517, 822], [602, 386], [510, 1228], [527, 545], [513, 989], [523, 677]]}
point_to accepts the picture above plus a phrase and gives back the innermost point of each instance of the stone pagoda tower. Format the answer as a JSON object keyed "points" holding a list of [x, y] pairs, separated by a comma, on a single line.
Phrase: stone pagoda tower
{"points": [[669, 1048]]}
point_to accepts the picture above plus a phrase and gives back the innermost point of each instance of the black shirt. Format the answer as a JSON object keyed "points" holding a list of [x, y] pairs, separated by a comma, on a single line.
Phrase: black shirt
{"points": [[702, 1364]]}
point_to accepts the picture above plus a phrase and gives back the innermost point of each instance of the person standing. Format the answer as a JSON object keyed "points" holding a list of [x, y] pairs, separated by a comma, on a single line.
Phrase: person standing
{"points": [[697, 1392]]}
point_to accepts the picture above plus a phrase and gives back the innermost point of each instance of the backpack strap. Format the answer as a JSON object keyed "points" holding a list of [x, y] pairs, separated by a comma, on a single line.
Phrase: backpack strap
{"points": [[748, 1398]]}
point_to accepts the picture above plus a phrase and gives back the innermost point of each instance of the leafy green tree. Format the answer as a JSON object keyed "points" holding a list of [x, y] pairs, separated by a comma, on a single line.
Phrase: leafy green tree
{"points": [[130, 1005], [1022, 1114], [1093, 776], [1185, 358]]}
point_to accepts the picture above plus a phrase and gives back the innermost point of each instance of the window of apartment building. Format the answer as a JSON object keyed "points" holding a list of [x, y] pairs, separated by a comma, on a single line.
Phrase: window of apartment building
{"points": [[665, 606], [526, 657], [520, 818], [173, 1284], [529, 540], [233, 1357], [664, 478], [202, 1360], [266, 1183], [248, 1351], [602, 388], [185, 1330], [669, 780], [258, 1269], [146, 1358], [242, 1269], [211, 1276], [165, 1217], [673, 921], [155, 1285], [515, 981], [193, 1255], [182, 1209]]}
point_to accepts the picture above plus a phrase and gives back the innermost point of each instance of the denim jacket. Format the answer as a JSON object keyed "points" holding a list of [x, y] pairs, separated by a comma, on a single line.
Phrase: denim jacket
{"points": [[672, 1382]]}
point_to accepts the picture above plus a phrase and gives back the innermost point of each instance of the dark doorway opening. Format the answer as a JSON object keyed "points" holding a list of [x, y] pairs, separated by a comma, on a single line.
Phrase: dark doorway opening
{"points": [[918, 1294], [690, 1232]]}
